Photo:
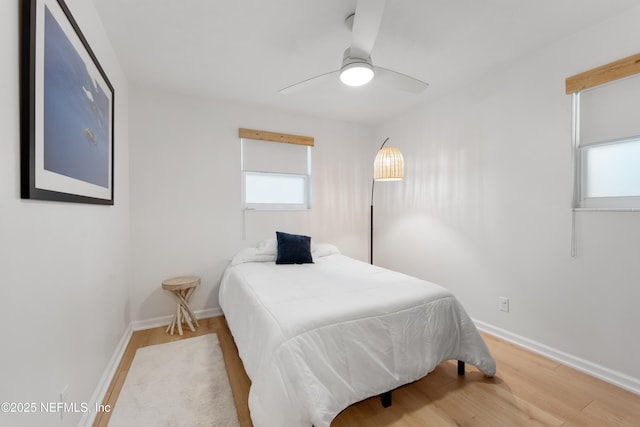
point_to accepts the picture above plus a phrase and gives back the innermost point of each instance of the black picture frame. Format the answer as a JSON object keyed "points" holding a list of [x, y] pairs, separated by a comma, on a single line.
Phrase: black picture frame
{"points": [[67, 110]]}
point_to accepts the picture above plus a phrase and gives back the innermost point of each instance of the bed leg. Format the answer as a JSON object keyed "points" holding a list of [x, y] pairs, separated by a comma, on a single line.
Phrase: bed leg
{"points": [[460, 367], [385, 399]]}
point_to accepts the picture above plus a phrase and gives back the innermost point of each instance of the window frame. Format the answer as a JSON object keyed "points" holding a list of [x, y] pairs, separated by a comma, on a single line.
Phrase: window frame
{"points": [[304, 142], [581, 202]]}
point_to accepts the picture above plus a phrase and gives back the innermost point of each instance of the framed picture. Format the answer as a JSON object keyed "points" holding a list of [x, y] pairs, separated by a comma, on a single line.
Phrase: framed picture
{"points": [[67, 109]]}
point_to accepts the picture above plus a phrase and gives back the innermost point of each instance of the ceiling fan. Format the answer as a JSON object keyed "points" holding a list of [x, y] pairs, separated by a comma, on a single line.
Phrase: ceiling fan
{"points": [[357, 68]]}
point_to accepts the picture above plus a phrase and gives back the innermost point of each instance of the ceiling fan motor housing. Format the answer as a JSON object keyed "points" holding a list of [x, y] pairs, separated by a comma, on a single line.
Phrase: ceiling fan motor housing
{"points": [[347, 59]]}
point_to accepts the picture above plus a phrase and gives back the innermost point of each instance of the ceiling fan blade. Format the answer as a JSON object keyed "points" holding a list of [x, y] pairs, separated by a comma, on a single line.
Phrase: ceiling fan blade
{"points": [[400, 81], [366, 24], [306, 83]]}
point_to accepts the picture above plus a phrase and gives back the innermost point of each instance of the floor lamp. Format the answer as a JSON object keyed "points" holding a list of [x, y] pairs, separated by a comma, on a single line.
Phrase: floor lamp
{"points": [[388, 166]]}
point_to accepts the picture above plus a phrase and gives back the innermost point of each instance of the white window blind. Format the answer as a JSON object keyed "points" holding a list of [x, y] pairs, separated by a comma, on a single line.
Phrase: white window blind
{"points": [[267, 156], [611, 111], [275, 175]]}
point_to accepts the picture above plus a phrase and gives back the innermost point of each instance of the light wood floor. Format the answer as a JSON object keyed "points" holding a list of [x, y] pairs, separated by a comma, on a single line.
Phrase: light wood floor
{"points": [[528, 390]]}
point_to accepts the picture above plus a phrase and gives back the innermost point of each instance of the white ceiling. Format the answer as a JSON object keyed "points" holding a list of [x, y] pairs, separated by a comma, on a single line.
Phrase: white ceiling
{"points": [[246, 50]]}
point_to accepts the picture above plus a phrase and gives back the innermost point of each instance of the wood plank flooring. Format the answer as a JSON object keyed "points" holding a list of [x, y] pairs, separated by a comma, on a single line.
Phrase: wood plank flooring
{"points": [[528, 390]]}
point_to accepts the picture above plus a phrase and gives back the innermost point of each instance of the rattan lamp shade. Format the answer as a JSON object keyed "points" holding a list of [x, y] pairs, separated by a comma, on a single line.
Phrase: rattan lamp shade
{"points": [[388, 165]]}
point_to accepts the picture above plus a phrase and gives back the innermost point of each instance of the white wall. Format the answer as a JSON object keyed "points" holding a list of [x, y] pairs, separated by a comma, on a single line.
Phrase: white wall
{"points": [[64, 266], [186, 213], [485, 209]]}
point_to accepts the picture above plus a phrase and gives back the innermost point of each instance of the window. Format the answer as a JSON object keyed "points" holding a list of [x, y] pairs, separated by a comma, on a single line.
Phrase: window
{"points": [[275, 175], [611, 169], [606, 138]]}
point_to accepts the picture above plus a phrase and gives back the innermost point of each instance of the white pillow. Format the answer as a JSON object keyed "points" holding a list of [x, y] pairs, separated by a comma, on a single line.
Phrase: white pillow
{"points": [[270, 245], [253, 255], [323, 249]]}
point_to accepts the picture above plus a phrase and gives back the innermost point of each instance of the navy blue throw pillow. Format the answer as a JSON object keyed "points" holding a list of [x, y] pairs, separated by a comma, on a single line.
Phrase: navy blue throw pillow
{"points": [[293, 249]]}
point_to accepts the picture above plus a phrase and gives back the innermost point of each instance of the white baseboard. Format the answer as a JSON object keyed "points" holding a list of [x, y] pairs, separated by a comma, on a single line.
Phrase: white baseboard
{"points": [[140, 325], [103, 385], [616, 378]]}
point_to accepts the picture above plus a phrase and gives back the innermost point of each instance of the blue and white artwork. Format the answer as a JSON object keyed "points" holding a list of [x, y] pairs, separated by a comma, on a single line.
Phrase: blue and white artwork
{"points": [[76, 112]]}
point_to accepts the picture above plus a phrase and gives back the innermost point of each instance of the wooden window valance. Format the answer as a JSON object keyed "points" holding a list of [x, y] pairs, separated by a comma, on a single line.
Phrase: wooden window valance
{"points": [[615, 70], [276, 137]]}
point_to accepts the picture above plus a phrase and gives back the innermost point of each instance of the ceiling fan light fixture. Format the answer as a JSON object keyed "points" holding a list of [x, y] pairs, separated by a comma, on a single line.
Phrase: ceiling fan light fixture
{"points": [[355, 71], [356, 74]]}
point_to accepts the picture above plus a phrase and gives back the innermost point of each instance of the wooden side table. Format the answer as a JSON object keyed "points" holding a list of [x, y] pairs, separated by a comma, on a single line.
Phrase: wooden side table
{"points": [[182, 287]]}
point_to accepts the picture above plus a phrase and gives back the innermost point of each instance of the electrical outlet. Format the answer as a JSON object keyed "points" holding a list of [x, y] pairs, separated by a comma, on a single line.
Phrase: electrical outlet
{"points": [[64, 399], [503, 304]]}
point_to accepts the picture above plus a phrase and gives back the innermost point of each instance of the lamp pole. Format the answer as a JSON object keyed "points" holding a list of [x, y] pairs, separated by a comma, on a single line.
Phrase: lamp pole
{"points": [[373, 184]]}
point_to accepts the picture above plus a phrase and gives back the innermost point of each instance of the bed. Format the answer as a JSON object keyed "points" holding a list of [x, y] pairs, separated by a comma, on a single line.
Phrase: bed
{"points": [[317, 337]]}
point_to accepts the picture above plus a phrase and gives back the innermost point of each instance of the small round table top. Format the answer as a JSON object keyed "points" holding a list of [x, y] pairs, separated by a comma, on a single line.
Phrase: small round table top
{"points": [[180, 282]]}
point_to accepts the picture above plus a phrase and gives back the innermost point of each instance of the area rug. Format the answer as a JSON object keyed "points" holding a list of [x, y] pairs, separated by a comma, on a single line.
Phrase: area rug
{"points": [[178, 384]]}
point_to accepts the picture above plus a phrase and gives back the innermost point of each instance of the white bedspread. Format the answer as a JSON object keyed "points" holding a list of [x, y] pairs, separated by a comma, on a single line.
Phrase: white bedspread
{"points": [[315, 338]]}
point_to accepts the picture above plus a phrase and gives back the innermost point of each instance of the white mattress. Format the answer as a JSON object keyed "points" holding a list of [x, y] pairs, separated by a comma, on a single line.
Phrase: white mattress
{"points": [[315, 338]]}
